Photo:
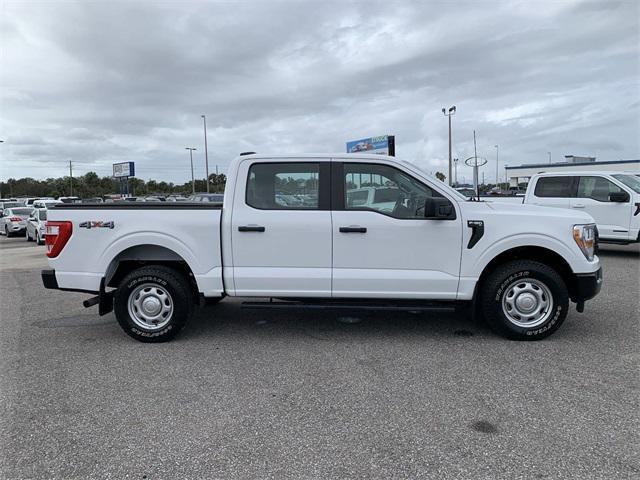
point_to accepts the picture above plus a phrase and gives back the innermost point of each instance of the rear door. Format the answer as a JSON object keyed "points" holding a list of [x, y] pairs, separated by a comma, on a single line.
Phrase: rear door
{"points": [[281, 229], [554, 191], [612, 218]]}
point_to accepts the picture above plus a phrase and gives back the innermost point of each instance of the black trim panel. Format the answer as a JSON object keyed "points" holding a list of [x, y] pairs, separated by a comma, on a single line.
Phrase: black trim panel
{"points": [[139, 206], [588, 285]]}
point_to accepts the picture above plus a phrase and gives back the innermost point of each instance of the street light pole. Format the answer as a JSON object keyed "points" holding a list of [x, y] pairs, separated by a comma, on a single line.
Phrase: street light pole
{"points": [[70, 180], [451, 111], [497, 161], [206, 151], [193, 180], [549, 153]]}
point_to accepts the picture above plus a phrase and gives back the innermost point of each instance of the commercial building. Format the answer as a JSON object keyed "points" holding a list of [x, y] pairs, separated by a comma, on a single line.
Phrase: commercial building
{"points": [[522, 173]]}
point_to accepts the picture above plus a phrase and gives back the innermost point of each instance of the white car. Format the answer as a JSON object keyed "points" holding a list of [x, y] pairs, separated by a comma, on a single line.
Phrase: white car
{"points": [[36, 225], [151, 262], [13, 221], [42, 203], [611, 198]]}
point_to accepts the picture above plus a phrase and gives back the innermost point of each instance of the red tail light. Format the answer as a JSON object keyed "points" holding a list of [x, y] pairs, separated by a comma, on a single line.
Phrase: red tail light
{"points": [[15, 219], [56, 236]]}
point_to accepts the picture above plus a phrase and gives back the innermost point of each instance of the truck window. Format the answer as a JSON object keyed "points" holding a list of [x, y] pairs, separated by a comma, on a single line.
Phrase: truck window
{"points": [[394, 192], [596, 188], [283, 186], [558, 187]]}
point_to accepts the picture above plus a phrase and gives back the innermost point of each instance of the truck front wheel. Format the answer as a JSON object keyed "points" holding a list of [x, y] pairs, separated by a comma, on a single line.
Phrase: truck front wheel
{"points": [[524, 300], [152, 304]]}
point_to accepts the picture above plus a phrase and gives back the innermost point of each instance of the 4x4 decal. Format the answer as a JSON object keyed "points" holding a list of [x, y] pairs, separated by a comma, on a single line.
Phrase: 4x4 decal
{"points": [[96, 224]]}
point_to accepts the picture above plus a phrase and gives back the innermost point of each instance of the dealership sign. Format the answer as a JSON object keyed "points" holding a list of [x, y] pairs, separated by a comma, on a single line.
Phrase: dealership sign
{"points": [[124, 169], [383, 145]]}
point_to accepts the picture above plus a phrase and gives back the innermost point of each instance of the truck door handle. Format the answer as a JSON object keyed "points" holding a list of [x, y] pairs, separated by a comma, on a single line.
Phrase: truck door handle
{"points": [[353, 230], [578, 205], [251, 228]]}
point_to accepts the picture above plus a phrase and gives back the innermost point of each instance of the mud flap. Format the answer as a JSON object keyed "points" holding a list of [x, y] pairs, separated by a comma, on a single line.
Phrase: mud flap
{"points": [[105, 304]]}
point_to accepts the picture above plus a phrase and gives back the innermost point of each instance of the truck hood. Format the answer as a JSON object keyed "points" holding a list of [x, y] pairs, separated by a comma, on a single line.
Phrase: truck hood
{"points": [[523, 210]]}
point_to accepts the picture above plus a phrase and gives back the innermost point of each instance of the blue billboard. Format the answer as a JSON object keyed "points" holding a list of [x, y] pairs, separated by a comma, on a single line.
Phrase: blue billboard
{"points": [[124, 169], [382, 145]]}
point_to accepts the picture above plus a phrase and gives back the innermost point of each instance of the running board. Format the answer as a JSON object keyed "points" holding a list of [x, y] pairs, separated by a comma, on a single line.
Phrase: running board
{"points": [[375, 306]]}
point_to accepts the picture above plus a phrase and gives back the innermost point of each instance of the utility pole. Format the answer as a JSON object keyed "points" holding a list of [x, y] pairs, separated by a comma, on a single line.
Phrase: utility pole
{"points": [[70, 180], [475, 168], [452, 111], [193, 180], [206, 151], [549, 153], [497, 161]]}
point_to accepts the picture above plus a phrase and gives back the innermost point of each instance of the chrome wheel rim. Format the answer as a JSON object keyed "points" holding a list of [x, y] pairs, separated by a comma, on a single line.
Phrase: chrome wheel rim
{"points": [[527, 303], [150, 306]]}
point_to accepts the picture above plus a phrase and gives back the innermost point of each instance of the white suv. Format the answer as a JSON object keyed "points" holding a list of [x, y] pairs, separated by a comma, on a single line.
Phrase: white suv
{"points": [[611, 198]]}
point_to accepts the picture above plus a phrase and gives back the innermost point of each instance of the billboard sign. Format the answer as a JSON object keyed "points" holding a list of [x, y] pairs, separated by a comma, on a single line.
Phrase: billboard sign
{"points": [[124, 169], [382, 145]]}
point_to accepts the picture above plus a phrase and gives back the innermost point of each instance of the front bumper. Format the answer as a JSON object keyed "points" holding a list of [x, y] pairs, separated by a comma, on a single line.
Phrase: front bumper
{"points": [[587, 286]]}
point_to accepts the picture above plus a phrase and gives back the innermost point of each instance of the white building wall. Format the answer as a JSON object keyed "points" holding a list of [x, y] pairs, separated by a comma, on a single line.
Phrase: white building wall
{"points": [[524, 173]]}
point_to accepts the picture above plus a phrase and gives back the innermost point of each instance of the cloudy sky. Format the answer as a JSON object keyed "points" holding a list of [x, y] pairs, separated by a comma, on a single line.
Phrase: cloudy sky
{"points": [[102, 82]]}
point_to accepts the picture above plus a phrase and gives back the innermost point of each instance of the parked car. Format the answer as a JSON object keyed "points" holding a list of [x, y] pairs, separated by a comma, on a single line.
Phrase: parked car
{"points": [[9, 204], [382, 199], [70, 199], [13, 221], [44, 203], [611, 198], [520, 265], [36, 225], [207, 197], [28, 201]]}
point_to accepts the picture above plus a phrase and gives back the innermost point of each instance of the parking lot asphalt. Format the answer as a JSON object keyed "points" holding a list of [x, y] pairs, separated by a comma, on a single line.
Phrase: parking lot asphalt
{"points": [[307, 394]]}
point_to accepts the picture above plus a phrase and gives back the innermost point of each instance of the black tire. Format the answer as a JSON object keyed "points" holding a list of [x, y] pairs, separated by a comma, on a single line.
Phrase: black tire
{"points": [[170, 281], [39, 239], [6, 231], [500, 288], [27, 235]]}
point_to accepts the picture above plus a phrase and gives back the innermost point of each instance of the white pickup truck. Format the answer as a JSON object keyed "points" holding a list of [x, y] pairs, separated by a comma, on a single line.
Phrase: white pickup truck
{"points": [[288, 233], [611, 198]]}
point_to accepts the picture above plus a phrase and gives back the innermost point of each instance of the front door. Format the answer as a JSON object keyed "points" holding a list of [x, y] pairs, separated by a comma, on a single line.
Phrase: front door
{"points": [[383, 247], [281, 229], [612, 218]]}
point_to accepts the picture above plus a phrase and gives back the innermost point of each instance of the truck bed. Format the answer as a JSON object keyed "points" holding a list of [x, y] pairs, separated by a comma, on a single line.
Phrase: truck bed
{"points": [[105, 234]]}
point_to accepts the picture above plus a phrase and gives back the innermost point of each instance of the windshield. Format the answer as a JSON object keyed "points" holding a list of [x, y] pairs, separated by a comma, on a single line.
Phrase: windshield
{"points": [[449, 189], [631, 181]]}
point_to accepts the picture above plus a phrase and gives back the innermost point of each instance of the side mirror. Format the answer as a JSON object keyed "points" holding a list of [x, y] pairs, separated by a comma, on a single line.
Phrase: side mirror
{"points": [[437, 208], [619, 197]]}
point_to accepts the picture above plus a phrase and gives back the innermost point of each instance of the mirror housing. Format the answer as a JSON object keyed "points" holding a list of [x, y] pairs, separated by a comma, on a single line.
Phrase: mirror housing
{"points": [[619, 197], [439, 208]]}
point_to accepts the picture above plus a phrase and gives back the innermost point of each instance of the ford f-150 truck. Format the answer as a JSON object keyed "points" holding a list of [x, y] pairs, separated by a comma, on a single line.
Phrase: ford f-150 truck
{"points": [[290, 232]]}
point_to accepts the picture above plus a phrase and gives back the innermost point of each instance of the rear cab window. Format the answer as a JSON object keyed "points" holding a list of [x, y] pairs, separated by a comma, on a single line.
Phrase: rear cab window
{"points": [[288, 186], [556, 187]]}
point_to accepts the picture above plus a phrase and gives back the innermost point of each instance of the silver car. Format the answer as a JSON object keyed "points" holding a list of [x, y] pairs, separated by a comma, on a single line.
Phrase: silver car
{"points": [[35, 225], [13, 221]]}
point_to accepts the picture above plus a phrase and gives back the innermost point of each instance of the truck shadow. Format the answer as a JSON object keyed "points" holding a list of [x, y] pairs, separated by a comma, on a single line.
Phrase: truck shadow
{"points": [[229, 318]]}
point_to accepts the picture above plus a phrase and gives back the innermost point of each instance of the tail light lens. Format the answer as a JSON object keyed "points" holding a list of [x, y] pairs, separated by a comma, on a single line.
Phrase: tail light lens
{"points": [[56, 236], [15, 219]]}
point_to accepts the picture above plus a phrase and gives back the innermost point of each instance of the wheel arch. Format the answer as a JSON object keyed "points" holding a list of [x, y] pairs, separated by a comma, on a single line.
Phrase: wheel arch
{"points": [[535, 253], [138, 256]]}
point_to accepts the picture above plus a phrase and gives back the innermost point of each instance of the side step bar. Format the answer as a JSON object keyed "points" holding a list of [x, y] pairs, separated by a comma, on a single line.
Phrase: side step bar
{"points": [[355, 305]]}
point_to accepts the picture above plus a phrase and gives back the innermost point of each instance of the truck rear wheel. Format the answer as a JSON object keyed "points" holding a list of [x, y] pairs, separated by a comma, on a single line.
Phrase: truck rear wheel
{"points": [[152, 304], [524, 300]]}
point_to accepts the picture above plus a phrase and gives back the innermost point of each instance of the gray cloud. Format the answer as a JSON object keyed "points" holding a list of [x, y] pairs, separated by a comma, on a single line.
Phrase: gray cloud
{"points": [[102, 82]]}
